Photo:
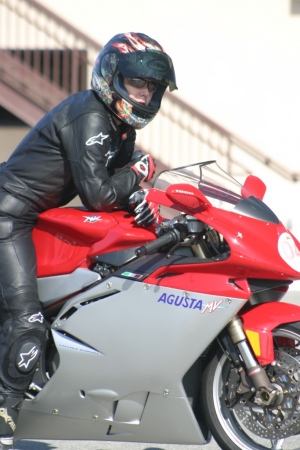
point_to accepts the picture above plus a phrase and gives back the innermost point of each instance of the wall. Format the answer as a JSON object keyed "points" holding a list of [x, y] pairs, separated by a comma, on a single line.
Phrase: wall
{"points": [[236, 60], [10, 138]]}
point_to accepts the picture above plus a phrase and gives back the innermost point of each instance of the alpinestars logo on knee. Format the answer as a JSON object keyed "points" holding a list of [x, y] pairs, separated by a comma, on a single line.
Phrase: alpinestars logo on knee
{"points": [[36, 318], [26, 358]]}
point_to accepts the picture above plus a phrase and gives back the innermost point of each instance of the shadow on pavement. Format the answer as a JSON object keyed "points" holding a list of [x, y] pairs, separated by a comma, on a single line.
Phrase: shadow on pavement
{"points": [[31, 445]]}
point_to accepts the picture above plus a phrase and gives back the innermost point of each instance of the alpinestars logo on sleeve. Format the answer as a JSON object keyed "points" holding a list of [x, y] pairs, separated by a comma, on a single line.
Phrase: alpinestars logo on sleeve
{"points": [[97, 139]]}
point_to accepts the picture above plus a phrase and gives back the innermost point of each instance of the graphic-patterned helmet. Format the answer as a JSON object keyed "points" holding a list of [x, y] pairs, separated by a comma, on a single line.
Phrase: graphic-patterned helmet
{"points": [[132, 55]]}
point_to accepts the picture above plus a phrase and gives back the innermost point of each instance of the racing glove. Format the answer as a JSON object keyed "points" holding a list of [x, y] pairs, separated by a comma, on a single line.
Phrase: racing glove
{"points": [[144, 167], [146, 212]]}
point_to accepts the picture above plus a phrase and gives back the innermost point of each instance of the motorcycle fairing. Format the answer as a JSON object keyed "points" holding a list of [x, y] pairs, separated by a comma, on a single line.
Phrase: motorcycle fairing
{"points": [[52, 289], [259, 323], [151, 335], [66, 237], [135, 332], [177, 270]]}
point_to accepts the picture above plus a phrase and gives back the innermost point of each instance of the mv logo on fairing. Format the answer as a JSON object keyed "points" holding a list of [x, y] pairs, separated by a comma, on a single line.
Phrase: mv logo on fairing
{"points": [[91, 219], [97, 139], [190, 303]]}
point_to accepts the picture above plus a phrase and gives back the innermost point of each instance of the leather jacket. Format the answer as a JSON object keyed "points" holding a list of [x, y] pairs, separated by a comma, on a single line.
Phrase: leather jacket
{"points": [[75, 149]]}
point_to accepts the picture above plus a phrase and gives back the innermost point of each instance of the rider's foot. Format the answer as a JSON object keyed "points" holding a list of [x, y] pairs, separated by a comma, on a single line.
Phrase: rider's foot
{"points": [[6, 443]]}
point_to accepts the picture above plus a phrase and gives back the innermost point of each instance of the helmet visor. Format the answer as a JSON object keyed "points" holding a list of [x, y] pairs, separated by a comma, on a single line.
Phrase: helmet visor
{"points": [[141, 83], [143, 110], [149, 65]]}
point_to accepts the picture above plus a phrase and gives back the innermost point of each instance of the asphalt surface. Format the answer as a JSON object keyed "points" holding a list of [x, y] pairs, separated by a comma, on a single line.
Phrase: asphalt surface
{"points": [[80, 445]]}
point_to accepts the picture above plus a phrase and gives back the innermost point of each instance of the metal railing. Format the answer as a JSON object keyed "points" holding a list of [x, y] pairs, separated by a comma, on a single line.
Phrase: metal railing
{"points": [[39, 41], [42, 57], [184, 135]]}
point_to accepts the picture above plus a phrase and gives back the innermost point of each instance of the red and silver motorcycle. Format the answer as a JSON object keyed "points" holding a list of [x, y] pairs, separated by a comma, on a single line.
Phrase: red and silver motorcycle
{"points": [[173, 333]]}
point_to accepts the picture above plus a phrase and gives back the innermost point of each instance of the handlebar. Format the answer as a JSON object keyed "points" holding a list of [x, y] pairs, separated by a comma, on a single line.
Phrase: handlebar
{"points": [[171, 237]]}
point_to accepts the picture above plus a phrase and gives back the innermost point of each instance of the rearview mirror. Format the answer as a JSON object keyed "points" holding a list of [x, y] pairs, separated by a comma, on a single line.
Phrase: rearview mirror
{"points": [[254, 186], [188, 197]]}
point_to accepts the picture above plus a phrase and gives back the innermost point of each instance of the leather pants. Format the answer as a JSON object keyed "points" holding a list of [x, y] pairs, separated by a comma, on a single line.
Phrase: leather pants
{"points": [[23, 333]]}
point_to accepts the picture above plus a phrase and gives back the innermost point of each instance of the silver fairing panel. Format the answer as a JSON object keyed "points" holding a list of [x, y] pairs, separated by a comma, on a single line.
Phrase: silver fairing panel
{"points": [[51, 289], [122, 359]]}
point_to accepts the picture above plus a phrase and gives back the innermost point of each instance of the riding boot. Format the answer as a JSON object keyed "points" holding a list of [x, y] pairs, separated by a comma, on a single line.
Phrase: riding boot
{"points": [[10, 405], [6, 443]]}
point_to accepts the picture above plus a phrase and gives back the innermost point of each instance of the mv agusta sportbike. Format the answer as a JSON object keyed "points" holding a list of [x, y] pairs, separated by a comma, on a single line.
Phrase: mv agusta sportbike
{"points": [[172, 333]]}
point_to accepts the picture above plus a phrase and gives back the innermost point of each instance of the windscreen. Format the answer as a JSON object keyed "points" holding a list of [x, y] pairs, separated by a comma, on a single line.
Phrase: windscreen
{"points": [[219, 187]]}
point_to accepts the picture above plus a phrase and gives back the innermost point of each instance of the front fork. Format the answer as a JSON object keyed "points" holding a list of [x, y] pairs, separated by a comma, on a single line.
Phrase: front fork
{"points": [[250, 337], [265, 392]]}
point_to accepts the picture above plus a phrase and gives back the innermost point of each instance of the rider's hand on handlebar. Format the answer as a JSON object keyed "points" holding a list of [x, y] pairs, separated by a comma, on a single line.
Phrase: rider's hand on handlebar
{"points": [[144, 167], [146, 212]]}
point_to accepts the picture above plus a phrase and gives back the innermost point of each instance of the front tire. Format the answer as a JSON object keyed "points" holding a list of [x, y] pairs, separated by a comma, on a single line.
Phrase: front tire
{"points": [[243, 424]]}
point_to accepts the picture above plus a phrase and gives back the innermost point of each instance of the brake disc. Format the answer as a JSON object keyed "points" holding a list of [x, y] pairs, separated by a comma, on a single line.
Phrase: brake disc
{"points": [[282, 419]]}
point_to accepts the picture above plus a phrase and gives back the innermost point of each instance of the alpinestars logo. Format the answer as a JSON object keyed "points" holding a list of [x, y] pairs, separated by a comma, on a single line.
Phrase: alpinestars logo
{"points": [[36, 318], [26, 358], [97, 139]]}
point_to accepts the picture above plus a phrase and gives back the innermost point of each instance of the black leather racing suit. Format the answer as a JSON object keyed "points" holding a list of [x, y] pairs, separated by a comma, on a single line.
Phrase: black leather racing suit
{"points": [[75, 149]]}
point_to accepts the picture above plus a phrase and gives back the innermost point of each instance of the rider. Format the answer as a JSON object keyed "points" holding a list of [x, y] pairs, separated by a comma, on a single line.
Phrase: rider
{"points": [[84, 147]]}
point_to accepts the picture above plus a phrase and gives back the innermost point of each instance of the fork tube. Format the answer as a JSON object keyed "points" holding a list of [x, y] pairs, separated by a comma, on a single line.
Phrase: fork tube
{"points": [[256, 373]]}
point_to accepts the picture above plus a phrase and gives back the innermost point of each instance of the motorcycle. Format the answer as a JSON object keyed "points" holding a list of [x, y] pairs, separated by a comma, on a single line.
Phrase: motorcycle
{"points": [[173, 333]]}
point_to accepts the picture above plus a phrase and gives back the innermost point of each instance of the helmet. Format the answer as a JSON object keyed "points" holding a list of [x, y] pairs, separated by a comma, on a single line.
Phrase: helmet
{"points": [[132, 55]]}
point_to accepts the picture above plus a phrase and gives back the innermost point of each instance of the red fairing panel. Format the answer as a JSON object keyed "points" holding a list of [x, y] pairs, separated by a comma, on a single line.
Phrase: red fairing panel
{"points": [[263, 319], [65, 238]]}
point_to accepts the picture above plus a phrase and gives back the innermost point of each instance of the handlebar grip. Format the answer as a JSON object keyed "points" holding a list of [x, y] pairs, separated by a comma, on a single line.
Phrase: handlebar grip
{"points": [[172, 236]]}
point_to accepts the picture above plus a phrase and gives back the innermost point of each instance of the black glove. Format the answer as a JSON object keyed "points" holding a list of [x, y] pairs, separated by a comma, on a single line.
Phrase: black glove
{"points": [[144, 167], [146, 212]]}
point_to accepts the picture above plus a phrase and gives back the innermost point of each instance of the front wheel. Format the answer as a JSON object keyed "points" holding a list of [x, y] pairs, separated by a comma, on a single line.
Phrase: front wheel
{"points": [[236, 422]]}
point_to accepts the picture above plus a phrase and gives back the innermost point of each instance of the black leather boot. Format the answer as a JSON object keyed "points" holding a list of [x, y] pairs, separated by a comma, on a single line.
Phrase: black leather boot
{"points": [[10, 404]]}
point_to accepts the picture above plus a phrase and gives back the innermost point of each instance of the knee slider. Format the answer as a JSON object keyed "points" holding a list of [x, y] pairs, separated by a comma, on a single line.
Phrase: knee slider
{"points": [[27, 355], [19, 361]]}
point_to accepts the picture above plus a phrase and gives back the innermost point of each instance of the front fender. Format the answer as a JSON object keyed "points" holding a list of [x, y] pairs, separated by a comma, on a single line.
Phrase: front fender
{"points": [[259, 323]]}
